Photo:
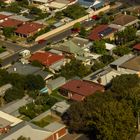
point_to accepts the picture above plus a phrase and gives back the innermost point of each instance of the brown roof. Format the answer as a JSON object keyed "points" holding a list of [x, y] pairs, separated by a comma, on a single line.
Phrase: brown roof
{"points": [[101, 31], [11, 23], [28, 28], [132, 64], [3, 16], [122, 19], [82, 88], [46, 58]]}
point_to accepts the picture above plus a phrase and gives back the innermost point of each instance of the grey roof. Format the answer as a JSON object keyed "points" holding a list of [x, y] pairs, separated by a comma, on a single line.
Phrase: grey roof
{"points": [[122, 59], [43, 74], [28, 130], [56, 83], [60, 107], [4, 122], [6, 13], [132, 64], [23, 69], [55, 126], [21, 18]]}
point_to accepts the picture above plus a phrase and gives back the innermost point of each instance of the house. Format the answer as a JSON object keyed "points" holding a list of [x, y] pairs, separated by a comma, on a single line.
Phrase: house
{"points": [[70, 48], [78, 90], [56, 83], [11, 23], [60, 107], [102, 32], [49, 60], [7, 122], [132, 66], [4, 88], [125, 20], [59, 130], [28, 29], [102, 76], [20, 17], [110, 47], [4, 15], [25, 69]]}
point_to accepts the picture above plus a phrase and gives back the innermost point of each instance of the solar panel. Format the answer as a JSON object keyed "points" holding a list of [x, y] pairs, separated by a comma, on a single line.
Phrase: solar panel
{"points": [[105, 32]]}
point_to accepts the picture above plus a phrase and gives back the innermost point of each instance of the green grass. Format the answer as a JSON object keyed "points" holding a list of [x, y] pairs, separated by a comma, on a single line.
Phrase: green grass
{"points": [[45, 121], [51, 21], [57, 95]]}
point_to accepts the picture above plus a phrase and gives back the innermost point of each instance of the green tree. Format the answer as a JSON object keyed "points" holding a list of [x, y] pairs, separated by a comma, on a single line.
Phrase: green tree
{"points": [[13, 94], [74, 68], [74, 11], [8, 31], [34, 82], [106, 59], [23, 138], [97, 65], [103, 118], [83, 32], [120, 51], [99, 47], [35, 10]]}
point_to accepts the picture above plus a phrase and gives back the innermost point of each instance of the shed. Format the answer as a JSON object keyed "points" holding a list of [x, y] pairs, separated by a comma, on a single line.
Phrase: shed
{"points": [[56, 83]]}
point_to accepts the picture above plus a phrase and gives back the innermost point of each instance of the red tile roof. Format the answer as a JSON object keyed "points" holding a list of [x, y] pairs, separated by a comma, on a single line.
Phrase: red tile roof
{"points": [[137, 47], [28, 28], [82, 88], [46, 58], [11, 23], [77, 97], [3, 16], [95, 34]]}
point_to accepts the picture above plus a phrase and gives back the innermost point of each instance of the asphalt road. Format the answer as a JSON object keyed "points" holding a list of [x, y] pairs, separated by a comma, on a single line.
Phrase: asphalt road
{"points": [[36, 47]]}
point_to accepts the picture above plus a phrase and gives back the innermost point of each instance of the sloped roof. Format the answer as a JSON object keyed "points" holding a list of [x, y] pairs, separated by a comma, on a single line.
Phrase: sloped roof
{"points": [[122, 19]]}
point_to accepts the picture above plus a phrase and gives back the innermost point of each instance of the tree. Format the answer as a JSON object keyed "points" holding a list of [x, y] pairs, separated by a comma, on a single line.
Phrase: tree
{"points": [[74, 68], [99, 47], [8, 31], [34, 82], [83, 32], [35, 10], [13, 94], [74, 11], [102, 118], [23, 138], [106, 59], [97, 65], [122, 50]]}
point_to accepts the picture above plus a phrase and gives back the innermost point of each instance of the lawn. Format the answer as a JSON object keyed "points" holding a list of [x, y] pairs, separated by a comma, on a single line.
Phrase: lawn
{"points": [[51, 21], [57, 95], [45, 121]]}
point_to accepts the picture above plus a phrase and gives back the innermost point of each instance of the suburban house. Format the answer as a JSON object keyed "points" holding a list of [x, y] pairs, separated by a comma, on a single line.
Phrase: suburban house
{"points": [[102, 32], [125, 20], [78, 90], [7, 122], [128, 64], [28, 29], [57, 129], [102, 76], [25, 69], [132, 66], [49, 60], [11, 23]]}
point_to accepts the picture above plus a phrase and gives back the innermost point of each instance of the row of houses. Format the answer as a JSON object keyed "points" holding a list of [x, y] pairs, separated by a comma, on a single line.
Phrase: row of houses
{"points": [[23, 26], [14, 128]]}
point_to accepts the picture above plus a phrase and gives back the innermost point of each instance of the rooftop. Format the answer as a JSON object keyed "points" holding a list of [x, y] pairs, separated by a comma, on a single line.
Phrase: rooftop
{"points": [[55, 126], [137, 47], [28, 28], [11, 23], [132, 64], [6, 119], [83, 88], [123, 19], [101, 31], [46, 58]]}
